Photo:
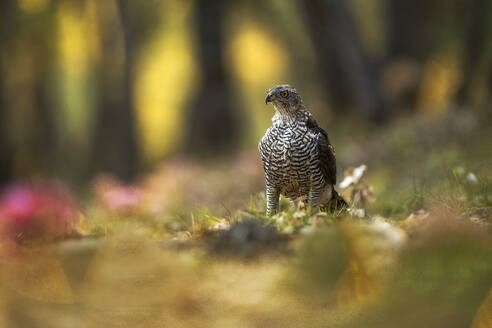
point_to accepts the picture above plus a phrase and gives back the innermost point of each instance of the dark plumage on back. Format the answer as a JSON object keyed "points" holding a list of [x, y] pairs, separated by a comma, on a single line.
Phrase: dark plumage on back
{"points": [[326, 152], [297, 156]]}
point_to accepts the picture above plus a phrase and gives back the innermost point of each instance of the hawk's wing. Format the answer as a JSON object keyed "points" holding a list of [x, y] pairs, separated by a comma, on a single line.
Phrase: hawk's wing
{"points": [[326, 152]]}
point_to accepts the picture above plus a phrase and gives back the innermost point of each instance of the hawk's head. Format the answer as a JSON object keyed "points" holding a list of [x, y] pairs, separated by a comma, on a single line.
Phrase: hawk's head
{"points": [[284, 98]]}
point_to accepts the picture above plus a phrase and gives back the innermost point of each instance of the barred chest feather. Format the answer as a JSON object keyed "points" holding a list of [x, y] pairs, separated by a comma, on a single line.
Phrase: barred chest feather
{"points": [[290, 157]]}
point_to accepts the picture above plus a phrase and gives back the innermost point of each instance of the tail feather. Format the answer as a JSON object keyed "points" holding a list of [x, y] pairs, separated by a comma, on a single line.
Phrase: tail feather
{"points": [[338, 201], [333, 201]]}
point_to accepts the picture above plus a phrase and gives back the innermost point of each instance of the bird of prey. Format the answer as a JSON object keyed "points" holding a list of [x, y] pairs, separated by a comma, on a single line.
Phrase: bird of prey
{"points": [[297, 156]]}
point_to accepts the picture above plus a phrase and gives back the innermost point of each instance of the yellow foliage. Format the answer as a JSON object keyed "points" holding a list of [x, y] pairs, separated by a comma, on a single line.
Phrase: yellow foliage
{"points": [[72, 42], [256, 57], [164, 82], [78, 48], [258, 62], [441, 78]]}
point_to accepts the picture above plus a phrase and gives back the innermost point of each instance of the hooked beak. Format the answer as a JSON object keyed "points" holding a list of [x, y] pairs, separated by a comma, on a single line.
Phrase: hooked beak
{"points": [[268, 98]]}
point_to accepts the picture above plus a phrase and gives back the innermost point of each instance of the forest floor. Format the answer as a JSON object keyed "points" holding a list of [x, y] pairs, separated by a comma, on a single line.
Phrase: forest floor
{"points": [[189, 244]]}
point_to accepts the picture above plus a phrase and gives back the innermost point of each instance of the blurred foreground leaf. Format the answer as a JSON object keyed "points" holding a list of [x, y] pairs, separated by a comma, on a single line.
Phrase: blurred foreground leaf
{"points": [[320, 260], [443, 277], [34, 273], [483, 319], [132, 282]]}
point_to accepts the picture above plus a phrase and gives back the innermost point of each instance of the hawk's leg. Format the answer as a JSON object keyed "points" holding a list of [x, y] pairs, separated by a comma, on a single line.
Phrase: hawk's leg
{"points": [[314, 198], [272, 196]]}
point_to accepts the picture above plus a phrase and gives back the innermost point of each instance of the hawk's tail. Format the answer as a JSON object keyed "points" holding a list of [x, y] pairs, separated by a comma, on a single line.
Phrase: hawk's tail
{"points": [[336, 202]]}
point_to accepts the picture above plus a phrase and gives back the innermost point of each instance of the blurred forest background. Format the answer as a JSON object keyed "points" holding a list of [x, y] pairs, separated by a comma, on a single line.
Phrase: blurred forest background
{"points": [[118, 86], [134, 189]]}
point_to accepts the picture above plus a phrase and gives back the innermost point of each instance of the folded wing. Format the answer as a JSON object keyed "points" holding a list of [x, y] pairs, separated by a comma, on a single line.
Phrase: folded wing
{"points": [[326, 152]]}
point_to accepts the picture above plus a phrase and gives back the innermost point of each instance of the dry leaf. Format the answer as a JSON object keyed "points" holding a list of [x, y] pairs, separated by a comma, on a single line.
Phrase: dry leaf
{"points": [[34, 273]]}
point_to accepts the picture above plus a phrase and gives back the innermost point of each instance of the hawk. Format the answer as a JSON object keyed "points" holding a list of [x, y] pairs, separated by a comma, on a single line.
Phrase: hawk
{"points": [[297, 156]]}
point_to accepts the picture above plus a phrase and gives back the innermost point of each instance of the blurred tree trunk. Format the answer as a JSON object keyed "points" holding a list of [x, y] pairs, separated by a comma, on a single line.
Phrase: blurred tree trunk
{"points": [[39, 141], [45, 131], [115, 144], [213, 123], [477, 33], [5, 149], [488, 90], [409, 26], [410, 40], [346, 69], [8, 16]]}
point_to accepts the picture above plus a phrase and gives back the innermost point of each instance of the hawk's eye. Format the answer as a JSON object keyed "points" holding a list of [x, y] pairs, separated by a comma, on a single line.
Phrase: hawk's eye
{"points": [[284, 94]]}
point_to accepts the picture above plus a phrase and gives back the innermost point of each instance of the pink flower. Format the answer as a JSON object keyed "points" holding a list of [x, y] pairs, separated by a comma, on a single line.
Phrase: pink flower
{"points": [[116, 197], [121, 198], [32, 210]]}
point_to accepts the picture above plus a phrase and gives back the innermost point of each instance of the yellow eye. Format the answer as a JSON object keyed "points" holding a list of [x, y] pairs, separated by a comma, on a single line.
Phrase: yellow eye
{"points": [[284, 94]]}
